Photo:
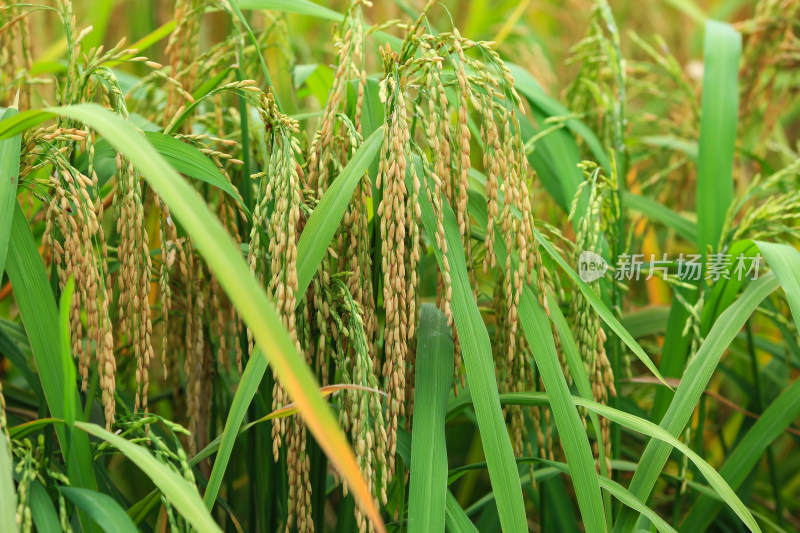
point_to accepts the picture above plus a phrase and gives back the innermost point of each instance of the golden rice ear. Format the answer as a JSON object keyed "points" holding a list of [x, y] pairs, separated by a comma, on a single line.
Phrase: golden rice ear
{"points": [[81, 252], [395, 223], [134, 276]]}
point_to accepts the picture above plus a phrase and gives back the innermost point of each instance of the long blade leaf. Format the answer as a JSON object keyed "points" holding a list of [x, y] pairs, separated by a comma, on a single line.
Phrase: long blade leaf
{"points": [[248, 386], [477, 352], [600, 307], [8, 495], [9, 175], [719, 116], [770, 425], [434, 376]]}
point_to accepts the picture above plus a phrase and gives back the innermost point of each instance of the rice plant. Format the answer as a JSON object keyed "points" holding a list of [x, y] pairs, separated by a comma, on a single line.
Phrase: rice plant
{"points": [[399, 266]]}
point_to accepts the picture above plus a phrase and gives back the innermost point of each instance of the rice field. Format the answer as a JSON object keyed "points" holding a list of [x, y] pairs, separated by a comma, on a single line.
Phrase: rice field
{"points": [[351, 265]]}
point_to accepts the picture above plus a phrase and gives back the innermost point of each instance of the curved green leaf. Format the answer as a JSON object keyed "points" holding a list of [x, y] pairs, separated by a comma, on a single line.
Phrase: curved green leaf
{"points": [[696, 377], [101, 508], [570, 428], [189, 161], [182, 494], [785, 263], [42, 510], [724, 292], [770, 425], [645, 427], [183, 157], [657, 211], [600, 307]]}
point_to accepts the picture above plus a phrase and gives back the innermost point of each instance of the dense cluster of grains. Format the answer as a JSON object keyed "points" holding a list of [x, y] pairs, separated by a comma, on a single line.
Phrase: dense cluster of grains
{"points": [[134, 275], [394, 211], [586, 324]]}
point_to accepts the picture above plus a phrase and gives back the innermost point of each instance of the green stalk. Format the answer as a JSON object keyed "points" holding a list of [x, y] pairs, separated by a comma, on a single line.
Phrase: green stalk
{"points": [[619, 161], [759, 405]]}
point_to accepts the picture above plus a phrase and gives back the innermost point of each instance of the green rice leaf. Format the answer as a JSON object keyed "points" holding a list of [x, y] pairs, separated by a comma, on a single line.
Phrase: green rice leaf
{"points": [[189, 161], [434, 377], [694, 381], [182, 494], [622, 494], [9, 176], [689, 8], [101, 508], [747, 454], [657, 432], [477, 353], [183, 157], [11, 350], [42, 510], [12, 125], [555, 159], [785, 263], [570, 428], [8, 495], [645, 427], [688, 148], [724, 292], [600, 307], [719, 117], [67, 363], [675, 352], [324, 221], [647, 321], [456, 520], [37, 308], [301, 7], [527, 85], [571, 354], [661, 213], [248, 386]]}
